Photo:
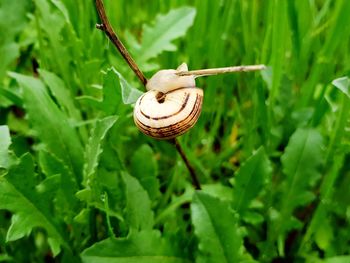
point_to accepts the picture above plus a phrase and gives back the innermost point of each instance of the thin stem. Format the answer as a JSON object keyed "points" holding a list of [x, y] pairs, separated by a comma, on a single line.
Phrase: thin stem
{"points": [[107, 28], [215, 71], [190, 168]]}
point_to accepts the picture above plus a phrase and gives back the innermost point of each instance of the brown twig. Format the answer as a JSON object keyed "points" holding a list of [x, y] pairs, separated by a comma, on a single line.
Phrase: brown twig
{"points": [[215, 71], [108, 30], [190, 168]]}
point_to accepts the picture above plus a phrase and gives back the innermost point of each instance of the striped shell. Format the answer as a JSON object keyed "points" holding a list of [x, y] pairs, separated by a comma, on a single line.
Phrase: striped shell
{"points": [[172, 116]]}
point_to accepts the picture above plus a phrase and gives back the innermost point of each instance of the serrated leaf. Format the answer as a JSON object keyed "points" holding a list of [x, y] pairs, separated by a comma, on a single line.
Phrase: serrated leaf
{"points": [[95, 200], [216, 228], [61, 93], [250, 179], [138, 205], [30, 208], [94, 146], [158, 37], [51, 166], [96, 179], [129, 94], [111, 97], [301, 160], [50, 124], [144, 168], [115, 91], [110, 183], [141, 247]]}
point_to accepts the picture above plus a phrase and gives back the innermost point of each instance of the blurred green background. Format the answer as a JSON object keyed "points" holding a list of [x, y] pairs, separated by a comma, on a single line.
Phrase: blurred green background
{"points": [[285, 129]]}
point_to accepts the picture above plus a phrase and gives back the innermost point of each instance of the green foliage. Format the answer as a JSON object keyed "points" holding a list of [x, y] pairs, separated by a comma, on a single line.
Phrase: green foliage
{"points": [[93, 148], [50, 124], [217, 230], [143, 247], [60, 92], [250, 179], [300, 161], [4, 147], [144, 168], [30, 204], [343, 84], [138, 205], [11, 26], [80, 183], [159, 37]]}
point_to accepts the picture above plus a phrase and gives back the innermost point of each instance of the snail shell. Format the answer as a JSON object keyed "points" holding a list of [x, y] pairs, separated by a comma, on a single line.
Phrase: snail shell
{"points": [[171, 106]]}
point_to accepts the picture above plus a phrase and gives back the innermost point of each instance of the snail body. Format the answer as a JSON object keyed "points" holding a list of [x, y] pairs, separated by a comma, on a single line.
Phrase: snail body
{"points": [[170, 107]]}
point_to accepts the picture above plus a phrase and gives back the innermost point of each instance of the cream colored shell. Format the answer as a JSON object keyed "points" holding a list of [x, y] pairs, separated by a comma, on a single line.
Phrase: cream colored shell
{"points": [[177, 110]]}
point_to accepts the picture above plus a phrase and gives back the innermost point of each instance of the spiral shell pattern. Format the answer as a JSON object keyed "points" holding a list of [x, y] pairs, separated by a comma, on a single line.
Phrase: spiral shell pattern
{"points": [[172, 116]]}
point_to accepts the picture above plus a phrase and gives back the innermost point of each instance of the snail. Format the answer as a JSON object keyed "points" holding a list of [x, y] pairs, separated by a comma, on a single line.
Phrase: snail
{"points": [[172, 104]]}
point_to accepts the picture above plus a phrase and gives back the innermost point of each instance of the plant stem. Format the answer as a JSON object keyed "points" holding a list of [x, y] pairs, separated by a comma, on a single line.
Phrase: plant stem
{"points": [[108, 30], [215, 71], [190, 168]]}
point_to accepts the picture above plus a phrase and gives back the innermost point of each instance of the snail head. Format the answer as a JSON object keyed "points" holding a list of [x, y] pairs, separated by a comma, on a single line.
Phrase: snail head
{"points": [[167, 80]]}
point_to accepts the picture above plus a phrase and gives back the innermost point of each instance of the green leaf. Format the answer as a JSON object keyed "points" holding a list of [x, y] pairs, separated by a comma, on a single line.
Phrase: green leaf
{"points": [[94, 146], [96, 199], [158, 37], [96, 179], [8, 52], [138, 204], [51, 22], [343, 84], [116, 91], [338, 130], [252, 217], [218, 190], [144, 168], [250, 179], [61, 93], [5, 143], [111, 97], [12, 96], [216, 228], [66, 199], [141, 247], [301, 161], [6, 258], [30, 207], [50, 124], [10, 26], [324, 234], [338, 259], [129, 94]]}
